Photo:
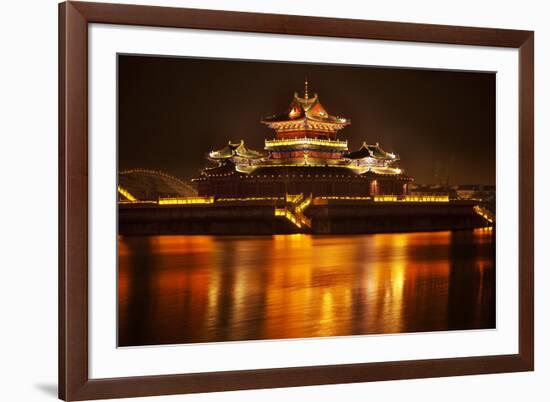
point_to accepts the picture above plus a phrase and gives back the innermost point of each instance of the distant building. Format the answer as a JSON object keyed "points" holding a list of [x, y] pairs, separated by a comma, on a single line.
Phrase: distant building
{"points": [[431, 189], [305, 156], [475, 191]]}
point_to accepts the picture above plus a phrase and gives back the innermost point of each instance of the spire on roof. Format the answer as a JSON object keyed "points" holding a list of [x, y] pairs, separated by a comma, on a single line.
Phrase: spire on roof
{"points": [[305, 113]]}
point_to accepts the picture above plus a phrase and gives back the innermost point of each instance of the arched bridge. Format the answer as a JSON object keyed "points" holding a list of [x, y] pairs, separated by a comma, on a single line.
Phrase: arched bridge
{"points": [[150, 185]]}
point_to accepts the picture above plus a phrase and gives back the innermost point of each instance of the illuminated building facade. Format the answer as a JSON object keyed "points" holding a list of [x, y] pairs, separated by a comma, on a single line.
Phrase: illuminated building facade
{"points": [[305, 156]]}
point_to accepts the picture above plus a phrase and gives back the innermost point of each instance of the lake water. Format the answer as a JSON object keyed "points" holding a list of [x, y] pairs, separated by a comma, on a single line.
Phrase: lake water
{"points": [[188, 289]]}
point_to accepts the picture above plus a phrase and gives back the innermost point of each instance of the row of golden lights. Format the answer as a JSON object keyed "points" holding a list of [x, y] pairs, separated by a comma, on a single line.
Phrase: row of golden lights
{"points": [[306, 141], [300, 203], [211, 200], [382, 171], [283, 126]]}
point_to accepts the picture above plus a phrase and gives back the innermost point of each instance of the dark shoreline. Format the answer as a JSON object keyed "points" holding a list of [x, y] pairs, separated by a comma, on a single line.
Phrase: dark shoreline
{"points": [[334, 217]]}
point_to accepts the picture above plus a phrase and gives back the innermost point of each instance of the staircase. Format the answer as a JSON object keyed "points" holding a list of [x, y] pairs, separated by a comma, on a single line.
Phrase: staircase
{"points": [[485, 214], [294, 210]]}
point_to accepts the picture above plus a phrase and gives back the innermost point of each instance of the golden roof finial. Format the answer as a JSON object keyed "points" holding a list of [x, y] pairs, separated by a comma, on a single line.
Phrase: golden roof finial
{"points": [[305, 90]]}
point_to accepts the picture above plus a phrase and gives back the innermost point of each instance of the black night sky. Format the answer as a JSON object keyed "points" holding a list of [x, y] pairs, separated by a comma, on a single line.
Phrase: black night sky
{"points": [[172, 111]]}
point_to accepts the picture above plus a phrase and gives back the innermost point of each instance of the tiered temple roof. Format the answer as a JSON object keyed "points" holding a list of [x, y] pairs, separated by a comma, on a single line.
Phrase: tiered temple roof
{"points": [[306, 115], [372, 151], [305, 147], [232, 150]]}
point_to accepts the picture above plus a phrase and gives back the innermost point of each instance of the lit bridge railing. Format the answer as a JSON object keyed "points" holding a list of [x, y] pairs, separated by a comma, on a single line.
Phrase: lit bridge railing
{"points": [[126, 194]]}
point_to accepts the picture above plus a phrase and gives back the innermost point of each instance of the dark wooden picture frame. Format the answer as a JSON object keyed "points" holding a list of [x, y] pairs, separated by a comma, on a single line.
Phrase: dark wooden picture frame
{"points": [[74, 381]]}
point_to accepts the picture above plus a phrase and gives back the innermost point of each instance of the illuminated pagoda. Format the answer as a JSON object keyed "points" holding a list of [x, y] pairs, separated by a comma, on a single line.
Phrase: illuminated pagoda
{"points": [[305, 156]]}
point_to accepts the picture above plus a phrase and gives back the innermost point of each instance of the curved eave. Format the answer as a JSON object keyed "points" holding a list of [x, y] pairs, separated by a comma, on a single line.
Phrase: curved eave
{"points": [[392, 172], [233, 150], [384, 159], [222, 154], [330, 120], [250, 155], [372, 151]]}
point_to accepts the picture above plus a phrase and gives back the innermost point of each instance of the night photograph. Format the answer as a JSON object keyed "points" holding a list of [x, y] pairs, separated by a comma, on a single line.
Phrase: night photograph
{"points": [[268, 200]]}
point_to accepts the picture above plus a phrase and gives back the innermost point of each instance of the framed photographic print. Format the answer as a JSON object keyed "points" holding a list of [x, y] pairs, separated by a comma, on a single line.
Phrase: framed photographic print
{"points": [[258, 201]]}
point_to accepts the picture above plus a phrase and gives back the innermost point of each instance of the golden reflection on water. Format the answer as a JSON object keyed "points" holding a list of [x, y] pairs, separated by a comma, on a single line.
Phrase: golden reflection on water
{"points": [[184, 289]]}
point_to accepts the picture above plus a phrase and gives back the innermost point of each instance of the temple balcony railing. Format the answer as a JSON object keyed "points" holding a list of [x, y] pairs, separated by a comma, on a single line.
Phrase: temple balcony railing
{"points": [[341, 144]]}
